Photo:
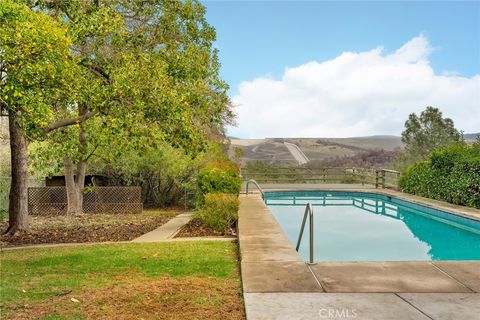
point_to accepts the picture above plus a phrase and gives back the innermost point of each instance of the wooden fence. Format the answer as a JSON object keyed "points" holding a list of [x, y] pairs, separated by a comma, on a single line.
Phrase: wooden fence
{"points": [[381, 178], [53, 200]]}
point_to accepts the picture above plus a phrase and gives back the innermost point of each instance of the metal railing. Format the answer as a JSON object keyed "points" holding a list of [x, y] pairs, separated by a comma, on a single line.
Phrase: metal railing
{"points": [[309, 211], [256, 184]]}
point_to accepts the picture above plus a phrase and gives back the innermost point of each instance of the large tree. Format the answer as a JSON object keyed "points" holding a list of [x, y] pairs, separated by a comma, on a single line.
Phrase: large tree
{"points": [[100, 67], [159, 69], [428, 132], [39, 81]]}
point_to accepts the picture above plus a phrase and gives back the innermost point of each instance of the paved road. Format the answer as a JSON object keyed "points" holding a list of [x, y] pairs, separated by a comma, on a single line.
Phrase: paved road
{"points": [[297, 153]]}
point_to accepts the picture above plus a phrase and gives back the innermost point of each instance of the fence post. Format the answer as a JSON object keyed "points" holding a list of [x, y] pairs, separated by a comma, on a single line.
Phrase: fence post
{"points": [[376, 179], [355, 176], [383, 179]]}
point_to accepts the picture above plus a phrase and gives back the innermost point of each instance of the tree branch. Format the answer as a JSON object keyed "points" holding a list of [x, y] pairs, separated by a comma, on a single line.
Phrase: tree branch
{"points": [[68, 122], [91, 153], [96, 70]]}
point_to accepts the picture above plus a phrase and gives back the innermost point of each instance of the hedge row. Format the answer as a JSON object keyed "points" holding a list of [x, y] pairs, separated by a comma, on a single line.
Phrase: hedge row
{"points": [[220, 177], [220, 211], [450, 174], [220, 185]]}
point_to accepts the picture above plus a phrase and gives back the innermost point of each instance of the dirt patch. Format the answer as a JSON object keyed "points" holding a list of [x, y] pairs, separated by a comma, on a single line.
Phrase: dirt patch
{"points": [[143, 298], [87, 228], [196, 228]]}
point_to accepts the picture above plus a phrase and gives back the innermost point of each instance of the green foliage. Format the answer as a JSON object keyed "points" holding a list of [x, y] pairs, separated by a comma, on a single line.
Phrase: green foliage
{"points": [[426, 133], [166, 174], [163, 173], [219, 177], [238, 154], [159, 72], [220, 210], [161, 100], [450, 174], [38, 73]]}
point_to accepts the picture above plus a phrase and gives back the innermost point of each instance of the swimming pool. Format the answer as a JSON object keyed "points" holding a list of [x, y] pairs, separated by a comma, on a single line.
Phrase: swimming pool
{"points": [[353, 226]]}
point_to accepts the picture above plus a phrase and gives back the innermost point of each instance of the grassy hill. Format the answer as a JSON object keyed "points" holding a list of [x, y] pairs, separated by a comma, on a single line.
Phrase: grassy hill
{"points": [[471, 136], [273, 150]]}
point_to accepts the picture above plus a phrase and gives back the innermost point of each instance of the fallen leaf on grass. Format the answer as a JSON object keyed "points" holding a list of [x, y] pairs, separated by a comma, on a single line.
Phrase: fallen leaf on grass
{"points": [[74, 300], [63, 293]]}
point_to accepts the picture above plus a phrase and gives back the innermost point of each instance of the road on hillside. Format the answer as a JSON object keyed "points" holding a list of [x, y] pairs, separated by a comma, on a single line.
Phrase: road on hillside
{"points": [[297, 153]]}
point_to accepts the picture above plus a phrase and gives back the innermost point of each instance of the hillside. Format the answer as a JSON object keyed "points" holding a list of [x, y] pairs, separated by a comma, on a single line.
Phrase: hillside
{"points": [[273, 150], [471, 137]]}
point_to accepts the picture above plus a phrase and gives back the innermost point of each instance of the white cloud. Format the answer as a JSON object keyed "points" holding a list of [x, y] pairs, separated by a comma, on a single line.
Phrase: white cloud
{"points": [[355, 94]]}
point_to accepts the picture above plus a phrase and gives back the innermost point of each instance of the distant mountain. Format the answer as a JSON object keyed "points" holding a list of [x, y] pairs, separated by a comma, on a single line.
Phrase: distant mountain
{"points": [[274, 150], [471, 136]]}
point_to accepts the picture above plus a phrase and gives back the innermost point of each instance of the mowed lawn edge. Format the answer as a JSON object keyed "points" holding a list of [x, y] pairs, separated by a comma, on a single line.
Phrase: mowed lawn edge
{"points": [[34, 276]]}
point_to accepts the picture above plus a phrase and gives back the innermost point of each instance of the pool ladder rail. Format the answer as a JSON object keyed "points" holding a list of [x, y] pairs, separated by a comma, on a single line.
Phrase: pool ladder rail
{"points": [[257, 185], [309, 213]]}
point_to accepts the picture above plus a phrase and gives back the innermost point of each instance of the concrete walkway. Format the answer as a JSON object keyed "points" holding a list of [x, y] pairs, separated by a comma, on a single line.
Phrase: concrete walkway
{"points": [[277, 284], [167, 230]]}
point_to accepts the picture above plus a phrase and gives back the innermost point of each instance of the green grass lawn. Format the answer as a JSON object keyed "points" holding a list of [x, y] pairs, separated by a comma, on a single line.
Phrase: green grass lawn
{"points": [[199, 277]]}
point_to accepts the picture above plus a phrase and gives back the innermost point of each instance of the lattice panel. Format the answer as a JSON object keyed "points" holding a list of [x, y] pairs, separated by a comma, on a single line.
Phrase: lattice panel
{"points": [[113, 200], [47, 201], [53, 200]]}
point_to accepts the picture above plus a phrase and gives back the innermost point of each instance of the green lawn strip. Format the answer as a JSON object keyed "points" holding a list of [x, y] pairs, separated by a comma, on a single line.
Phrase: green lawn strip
{"points": [[160, 212], [36, 274]]}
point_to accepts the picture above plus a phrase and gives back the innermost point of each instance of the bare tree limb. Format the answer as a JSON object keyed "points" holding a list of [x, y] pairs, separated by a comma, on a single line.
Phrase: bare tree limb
{"points": [[68, 122]]}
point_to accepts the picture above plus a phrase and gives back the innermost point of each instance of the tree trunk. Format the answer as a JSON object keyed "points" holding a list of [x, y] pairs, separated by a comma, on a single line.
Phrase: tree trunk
{"points": [[18, 198], [75, 182], [73, 205], [80, 182]]}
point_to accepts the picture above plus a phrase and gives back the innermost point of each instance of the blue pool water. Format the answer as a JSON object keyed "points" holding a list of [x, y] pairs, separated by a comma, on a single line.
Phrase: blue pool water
{"points": [[370, 227]]}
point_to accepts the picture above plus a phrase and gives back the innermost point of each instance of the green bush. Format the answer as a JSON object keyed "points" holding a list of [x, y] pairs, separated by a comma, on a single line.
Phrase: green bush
{"points": [[219, 177], [220, 210], [450, 174]]}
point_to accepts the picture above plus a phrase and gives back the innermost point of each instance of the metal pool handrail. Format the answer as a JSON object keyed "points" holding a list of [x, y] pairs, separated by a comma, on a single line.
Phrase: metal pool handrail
{"points": [[309, 211], [256, 184]]}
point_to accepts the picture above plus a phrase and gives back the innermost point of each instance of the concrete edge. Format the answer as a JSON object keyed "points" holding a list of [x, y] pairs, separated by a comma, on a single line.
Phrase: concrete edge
{"points": [[280, 270], [466, 212], [265, 210]]}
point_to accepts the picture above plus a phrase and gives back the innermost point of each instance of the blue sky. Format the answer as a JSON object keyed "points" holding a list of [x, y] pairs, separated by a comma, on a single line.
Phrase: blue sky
{"points": [[262, 39]]}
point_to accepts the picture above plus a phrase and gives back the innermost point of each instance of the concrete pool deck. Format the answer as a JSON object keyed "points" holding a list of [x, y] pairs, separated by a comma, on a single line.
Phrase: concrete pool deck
{"points": [[277, 284]]}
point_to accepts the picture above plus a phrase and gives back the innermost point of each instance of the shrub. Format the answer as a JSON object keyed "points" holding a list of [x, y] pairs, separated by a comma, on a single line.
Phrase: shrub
{"points": [[220, 210], [450, 174], [219, 177]]}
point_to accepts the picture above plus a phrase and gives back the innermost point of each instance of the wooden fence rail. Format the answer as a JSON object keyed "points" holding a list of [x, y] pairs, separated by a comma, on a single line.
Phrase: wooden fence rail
{"points": [[381, 178]]}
